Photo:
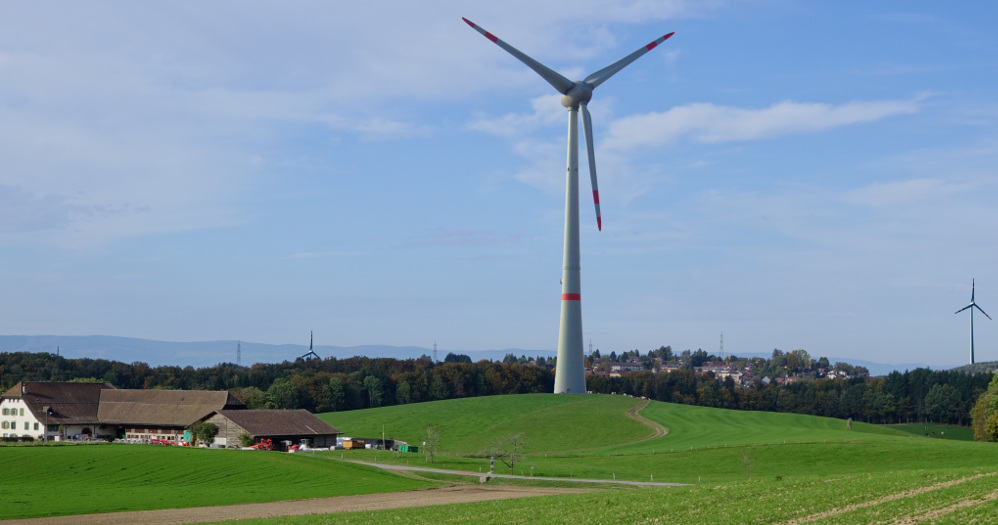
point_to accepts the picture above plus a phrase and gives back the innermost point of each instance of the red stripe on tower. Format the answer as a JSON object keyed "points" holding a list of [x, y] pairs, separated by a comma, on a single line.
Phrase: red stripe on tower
{"points": [[571, 297]]}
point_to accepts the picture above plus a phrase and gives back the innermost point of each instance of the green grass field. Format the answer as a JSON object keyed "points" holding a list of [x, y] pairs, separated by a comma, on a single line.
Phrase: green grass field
{"points": [[933, 430], [741, 467], [78, 479], [882, 498]]}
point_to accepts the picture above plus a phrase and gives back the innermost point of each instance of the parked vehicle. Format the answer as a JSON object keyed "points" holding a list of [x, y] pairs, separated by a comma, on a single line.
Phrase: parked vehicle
{"points": [[263, 444]]}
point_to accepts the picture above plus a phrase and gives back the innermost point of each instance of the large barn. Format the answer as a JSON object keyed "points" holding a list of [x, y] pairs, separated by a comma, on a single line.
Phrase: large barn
{"points": [[144, 415]]}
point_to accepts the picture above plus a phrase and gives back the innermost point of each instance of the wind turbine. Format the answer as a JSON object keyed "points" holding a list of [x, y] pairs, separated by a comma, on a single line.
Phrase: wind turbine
{"points": [[311, 353], [570, 376], [972, 305]]}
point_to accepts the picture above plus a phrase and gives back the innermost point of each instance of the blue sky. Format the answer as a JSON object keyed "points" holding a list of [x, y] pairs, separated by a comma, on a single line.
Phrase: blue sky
{"points": [[816, 175]]}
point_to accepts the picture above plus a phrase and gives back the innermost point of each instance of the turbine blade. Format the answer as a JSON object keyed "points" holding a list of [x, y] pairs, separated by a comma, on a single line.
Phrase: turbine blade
{"points": [[983, 312], [559, 82], [602, 75], [587, 125], [965, 307]]}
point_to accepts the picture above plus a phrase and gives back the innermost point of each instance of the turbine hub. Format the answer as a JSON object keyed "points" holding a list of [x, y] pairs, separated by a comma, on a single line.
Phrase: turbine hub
{"points": [[580, 93]]}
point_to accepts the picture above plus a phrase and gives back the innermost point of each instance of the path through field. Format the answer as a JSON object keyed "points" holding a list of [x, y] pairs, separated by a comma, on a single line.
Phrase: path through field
{"points": [[658, 430], [392, 500], [388, 466]]}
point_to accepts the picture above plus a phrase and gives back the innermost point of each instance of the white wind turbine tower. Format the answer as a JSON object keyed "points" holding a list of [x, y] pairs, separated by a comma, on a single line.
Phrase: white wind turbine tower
{"points": [[570, 377], [972, 305]]}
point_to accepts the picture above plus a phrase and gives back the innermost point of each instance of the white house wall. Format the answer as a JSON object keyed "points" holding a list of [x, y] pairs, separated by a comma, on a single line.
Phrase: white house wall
{"points": [[16, 420]]}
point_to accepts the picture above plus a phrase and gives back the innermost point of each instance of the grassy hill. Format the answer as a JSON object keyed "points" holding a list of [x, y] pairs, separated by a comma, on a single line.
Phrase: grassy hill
{"points": [[551, 423], [590, 436]]}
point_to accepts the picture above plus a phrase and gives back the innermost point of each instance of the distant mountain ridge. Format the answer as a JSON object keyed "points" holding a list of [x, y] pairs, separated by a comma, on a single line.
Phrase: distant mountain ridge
{"points": [[201, 354]]}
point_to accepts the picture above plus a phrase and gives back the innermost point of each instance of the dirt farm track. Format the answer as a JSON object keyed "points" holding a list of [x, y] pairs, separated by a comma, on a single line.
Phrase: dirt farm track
{"points": [[415, 498]]}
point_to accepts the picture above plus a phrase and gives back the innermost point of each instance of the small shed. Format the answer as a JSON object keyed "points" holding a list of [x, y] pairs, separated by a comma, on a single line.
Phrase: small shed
{"points": [[281, 426]]}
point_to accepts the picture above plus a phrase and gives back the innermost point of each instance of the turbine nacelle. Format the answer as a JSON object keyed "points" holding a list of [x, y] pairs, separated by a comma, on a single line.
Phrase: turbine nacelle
{"points": [[580, 93], [575, 95]]}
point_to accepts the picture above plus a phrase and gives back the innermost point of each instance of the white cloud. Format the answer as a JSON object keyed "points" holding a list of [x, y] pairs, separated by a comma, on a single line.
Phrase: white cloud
{"points": [[705, 122], [547, 111]]}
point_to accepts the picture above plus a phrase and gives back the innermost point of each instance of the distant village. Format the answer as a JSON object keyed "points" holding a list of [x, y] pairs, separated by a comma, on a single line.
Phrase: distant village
{"points": [[782, 368]]}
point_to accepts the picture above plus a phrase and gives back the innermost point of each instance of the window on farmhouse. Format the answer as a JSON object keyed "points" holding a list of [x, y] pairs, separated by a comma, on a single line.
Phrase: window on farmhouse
{"points": [[5, 411], [5, 425], [36, 425], [22, 411], [26, 425]]}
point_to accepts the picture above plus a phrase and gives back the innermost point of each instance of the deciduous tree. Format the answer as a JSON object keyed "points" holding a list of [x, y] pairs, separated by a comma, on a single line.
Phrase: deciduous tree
{"points": [[509, 449]]}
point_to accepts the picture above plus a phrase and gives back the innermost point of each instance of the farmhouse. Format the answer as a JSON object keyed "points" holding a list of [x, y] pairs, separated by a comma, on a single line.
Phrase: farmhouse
{"points": [[46, 410], [284, 427], [90, 410]]}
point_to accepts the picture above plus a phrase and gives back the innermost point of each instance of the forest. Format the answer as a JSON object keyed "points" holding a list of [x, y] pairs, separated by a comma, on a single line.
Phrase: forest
{"points": [[920, 395]]}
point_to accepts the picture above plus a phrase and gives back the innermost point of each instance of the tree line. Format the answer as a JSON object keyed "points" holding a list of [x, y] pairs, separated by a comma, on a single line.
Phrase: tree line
{"points": [[347, 384], [919, 395]]}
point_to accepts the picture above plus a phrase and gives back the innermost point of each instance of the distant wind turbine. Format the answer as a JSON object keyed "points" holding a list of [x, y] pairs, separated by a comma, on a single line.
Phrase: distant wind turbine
{"points": [[971, 306], [570, 376], [311, 354]]}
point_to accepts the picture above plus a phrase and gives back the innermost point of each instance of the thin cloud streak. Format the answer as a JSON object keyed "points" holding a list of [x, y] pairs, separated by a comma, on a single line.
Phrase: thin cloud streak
{"points": [[710, 123]]}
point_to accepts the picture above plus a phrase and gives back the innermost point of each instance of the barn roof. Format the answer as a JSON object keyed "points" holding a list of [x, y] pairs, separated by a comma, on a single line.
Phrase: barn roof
{"points": [[279, 423], [70, 403], [162, 408]]}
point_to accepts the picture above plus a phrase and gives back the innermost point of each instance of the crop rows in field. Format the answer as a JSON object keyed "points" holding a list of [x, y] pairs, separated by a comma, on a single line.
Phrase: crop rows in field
{"points": [[886, 498]]}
